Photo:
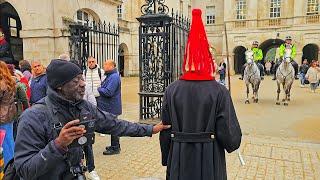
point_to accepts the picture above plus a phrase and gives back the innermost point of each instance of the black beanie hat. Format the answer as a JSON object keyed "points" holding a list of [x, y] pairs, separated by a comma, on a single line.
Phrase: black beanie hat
{"points": [[60, 72]]}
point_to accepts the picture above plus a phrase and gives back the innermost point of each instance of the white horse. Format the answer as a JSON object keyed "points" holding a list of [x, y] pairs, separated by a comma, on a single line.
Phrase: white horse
{"points": [[251, 76], [285, 76]]}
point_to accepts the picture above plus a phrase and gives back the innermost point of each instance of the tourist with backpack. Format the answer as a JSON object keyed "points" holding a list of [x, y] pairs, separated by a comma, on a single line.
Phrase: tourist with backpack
{"points": [[48, 128], [92, 76], [20, 99], [7, 110]]}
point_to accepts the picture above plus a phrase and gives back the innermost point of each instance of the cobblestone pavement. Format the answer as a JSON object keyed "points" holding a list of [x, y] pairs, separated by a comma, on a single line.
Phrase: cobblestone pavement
{"points": [[268, 154]]}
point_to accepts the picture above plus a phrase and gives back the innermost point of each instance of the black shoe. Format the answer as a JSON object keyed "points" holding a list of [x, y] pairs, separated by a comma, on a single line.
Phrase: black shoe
{"points": [[296, 78], [241, 78], [111, 151], [262, 78]]}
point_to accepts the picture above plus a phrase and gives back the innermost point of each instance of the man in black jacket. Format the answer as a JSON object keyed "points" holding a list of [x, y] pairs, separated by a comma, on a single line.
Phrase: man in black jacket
{"points": [[303, 71], [42, 152]]}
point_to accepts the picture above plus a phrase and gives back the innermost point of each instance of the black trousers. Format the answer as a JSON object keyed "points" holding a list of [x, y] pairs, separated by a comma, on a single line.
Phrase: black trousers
{"points": [[115, 141], [88, 153]]}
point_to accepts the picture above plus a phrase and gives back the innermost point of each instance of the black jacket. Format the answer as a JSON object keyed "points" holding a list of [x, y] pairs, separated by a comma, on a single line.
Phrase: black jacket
{"points": [[304, 68], [36, 156], [5, 54], [198, 109]]}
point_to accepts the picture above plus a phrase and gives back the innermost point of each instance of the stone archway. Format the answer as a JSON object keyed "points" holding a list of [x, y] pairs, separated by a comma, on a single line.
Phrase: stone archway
{"points": [[11, 24], [310, 52], [269, 47], [239, 58], [123, 64]]}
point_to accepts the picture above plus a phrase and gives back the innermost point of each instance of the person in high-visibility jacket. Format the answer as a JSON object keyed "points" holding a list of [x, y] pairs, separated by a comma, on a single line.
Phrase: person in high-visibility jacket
{"points": [[282, 49], [257, 58]]}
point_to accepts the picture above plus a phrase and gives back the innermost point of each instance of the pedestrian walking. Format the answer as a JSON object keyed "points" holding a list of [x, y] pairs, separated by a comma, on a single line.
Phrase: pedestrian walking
{"points": [[38, 83], [7, 110], [222, 72], [268, 66], [110, 100], [202, 115], [313, 76], [47, 129], [92, 76], [302, 72]]}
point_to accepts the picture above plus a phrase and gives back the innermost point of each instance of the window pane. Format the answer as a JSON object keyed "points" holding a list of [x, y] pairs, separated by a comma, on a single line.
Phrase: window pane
{"points": [[86, 16], [79, 15], [313, 7], [14, 32], [241, 9], [275, 8], [13, 22], [210, 14]]}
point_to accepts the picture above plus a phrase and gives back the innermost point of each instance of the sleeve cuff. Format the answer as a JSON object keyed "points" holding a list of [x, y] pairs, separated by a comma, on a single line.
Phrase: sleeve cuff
{"points": [[149, 130], [62, 150]]}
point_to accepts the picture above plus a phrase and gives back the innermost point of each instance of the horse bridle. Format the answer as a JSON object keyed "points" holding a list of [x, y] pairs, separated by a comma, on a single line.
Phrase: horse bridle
{"points": [[285, 77]]}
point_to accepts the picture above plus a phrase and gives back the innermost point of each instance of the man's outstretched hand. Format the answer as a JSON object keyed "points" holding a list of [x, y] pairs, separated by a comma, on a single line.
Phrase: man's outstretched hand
{"points": [[160, 127]]}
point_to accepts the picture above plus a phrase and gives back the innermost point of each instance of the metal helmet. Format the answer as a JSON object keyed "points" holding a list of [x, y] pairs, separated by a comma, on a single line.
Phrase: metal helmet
{"points": [[288, 38], [255, 43]]}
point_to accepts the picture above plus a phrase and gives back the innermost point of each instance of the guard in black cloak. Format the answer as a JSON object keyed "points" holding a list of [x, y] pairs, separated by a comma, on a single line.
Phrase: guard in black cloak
{"points": [[202, 115], [5, 54]]}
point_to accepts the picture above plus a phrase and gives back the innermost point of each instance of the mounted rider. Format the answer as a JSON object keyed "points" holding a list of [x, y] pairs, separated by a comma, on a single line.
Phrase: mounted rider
{"points": [[287, 45], [257, 58]]}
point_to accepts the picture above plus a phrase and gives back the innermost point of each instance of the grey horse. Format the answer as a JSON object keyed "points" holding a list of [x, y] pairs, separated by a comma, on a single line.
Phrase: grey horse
{"points": [[251, 76], [285, 77]]}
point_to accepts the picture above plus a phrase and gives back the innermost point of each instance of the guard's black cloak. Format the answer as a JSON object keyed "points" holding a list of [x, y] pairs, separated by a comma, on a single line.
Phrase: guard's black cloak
{"points": [[197, 107]]}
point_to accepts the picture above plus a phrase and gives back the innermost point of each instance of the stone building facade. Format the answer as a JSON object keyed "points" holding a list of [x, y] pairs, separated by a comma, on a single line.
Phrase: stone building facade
{"points": [[39, 28], [267, 21], [44, 23]]}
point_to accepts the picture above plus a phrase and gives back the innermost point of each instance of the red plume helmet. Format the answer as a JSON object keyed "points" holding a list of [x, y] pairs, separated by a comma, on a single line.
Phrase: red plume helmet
{"points": [[198, 62]]}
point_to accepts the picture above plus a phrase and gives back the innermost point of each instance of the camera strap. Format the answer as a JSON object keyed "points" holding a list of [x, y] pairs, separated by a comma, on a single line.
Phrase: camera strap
{"points": [[56, 126]]}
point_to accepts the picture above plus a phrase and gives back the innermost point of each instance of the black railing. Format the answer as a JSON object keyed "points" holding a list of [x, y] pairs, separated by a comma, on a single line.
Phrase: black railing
{"points": [[100, 40], [162, 40]]}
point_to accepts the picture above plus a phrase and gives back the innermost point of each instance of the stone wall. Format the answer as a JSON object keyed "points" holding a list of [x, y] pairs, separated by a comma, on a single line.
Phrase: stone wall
{"points": [[44, 33]]}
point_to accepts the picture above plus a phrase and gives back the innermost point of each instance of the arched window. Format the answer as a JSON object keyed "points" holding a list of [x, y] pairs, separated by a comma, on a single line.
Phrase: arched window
{"points": [[275, 8], [313, 7], [83, 16], [241, 9]]}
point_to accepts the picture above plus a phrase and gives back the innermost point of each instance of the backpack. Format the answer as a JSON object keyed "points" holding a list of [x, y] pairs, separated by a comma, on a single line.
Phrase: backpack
{"points": [[10, 172], [99, 72]]}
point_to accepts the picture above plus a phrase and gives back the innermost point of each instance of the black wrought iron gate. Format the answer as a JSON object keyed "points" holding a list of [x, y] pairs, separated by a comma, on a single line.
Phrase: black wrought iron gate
{"points": [[100, 40], [162, 40]]}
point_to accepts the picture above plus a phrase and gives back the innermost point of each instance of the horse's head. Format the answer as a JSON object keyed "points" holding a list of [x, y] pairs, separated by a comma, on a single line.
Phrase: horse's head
{"points": [[249, 57], [287, 55]]}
